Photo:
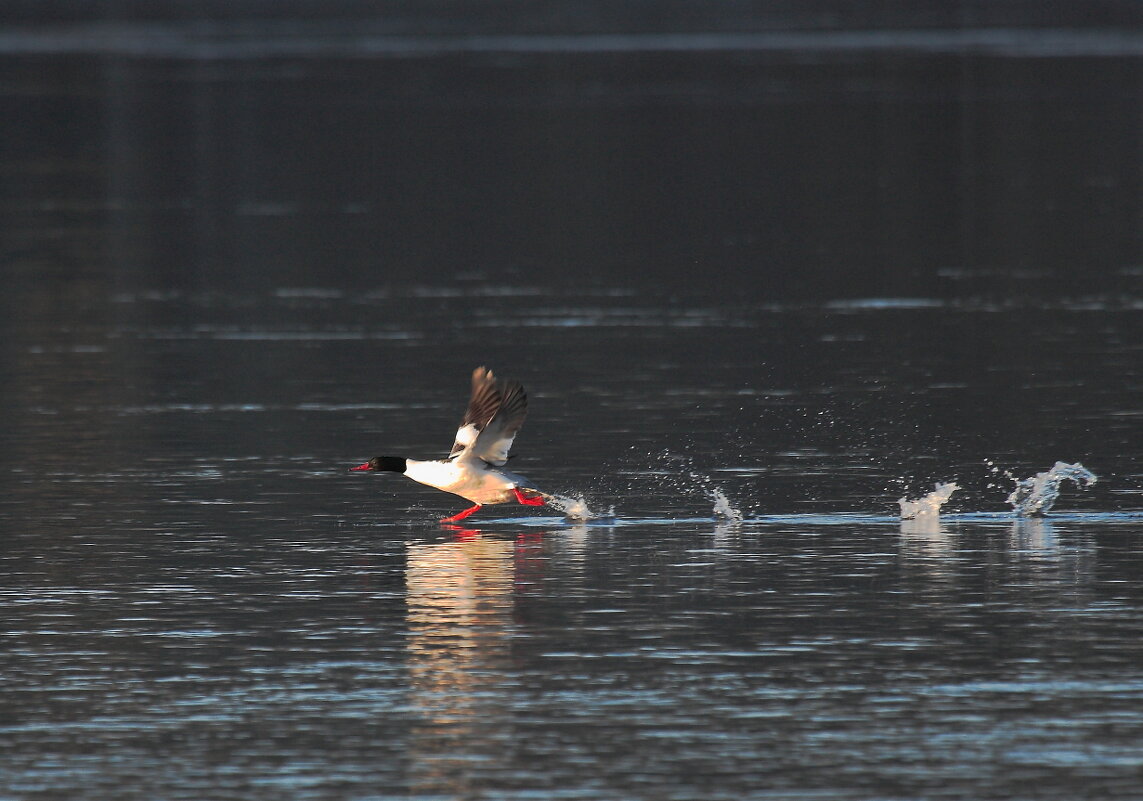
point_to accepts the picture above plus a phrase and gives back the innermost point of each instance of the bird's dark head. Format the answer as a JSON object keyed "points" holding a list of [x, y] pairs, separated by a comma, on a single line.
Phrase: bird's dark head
{"points": [[394, 464]]}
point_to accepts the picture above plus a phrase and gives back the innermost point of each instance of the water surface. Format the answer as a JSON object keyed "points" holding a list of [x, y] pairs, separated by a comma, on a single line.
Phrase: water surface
{"points": [[202, 602], [788, 284]]}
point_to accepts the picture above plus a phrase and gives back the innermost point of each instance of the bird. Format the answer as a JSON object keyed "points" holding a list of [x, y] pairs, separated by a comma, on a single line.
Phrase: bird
{"points": [[474, 468]]}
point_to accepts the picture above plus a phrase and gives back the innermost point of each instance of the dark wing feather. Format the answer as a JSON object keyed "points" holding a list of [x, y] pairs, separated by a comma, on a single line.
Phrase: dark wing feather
{"points": [[495, 413], [485, 400]]}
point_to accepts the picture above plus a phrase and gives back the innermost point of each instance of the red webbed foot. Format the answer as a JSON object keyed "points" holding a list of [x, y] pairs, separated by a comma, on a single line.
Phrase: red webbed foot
{"points": [[535, 500]]}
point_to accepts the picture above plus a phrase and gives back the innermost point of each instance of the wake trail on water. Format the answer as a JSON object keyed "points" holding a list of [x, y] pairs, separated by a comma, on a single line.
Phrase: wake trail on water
{"points": [[1032, 497], [673, 474], [577, 510]]}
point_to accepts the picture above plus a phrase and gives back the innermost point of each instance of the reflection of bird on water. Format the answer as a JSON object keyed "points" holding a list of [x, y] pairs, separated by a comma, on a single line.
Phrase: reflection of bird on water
{"points": [[475, 467]]}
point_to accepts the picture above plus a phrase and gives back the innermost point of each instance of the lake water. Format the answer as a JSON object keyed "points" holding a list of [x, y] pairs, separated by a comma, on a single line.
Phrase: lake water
{"points": [[787, 281]]}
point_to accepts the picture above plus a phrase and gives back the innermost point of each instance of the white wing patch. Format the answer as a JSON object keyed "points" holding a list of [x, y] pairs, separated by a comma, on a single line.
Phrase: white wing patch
{"points": [[495, 413], [466, 435], [493, 445]]}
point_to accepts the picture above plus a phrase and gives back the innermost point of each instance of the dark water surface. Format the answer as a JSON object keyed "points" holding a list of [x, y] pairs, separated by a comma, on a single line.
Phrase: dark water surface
{"points": [[200, 602], [813, 278]]}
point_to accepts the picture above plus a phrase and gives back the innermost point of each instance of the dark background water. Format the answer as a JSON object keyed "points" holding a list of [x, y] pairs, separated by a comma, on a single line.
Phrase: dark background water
{"points": [[816, 257], [766, 153]]}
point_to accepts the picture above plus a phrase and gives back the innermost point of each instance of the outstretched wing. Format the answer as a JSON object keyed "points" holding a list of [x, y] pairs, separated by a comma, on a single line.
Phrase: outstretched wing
{"points": [[495, 413]]}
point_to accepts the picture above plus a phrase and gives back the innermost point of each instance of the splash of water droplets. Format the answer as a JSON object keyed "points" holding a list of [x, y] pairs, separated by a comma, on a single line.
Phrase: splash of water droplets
{"points": [[930, 505], [1035, 496], [577, 509], [723, 509]]}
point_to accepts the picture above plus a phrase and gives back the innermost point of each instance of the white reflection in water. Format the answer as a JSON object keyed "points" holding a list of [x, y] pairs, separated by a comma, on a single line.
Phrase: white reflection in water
{"points": [[459, 600], [1041, 557], [574, 541], [928, 551], [724, 533], [1034, 537], [927, 531]]}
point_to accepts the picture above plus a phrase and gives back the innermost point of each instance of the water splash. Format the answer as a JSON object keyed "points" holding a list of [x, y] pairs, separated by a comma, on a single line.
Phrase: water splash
{"points": [[576, 509], [675, 476], [723, 510], [930, 505], [1034, 497]]}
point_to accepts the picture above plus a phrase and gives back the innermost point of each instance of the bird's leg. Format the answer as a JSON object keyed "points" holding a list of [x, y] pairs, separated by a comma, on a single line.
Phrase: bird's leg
{"points": [[461, 515], [537, 500]]}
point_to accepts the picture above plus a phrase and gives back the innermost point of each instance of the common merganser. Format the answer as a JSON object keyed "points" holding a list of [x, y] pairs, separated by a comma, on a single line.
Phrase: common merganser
{"points": [[474, 468]]}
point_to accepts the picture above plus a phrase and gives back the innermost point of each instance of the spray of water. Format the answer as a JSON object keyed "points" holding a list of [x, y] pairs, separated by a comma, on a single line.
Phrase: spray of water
{"points": [[1034, 497], [930, 505], [576, 509], [723, 509], [675, 475]]}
